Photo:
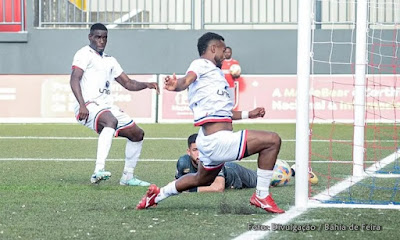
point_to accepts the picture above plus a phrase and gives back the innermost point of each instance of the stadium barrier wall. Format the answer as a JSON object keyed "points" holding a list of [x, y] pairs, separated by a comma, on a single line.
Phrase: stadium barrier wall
{"points": [[49, 99]]}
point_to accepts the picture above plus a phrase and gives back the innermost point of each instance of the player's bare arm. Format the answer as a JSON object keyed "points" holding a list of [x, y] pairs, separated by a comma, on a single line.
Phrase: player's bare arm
{"points": [[217, 186], [133, 85], [255, 113], [177, 85], [76, 77]]}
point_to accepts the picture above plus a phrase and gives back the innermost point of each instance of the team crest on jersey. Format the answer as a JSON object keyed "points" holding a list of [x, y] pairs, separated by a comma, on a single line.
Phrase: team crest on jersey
{"points": [[186, 170]]}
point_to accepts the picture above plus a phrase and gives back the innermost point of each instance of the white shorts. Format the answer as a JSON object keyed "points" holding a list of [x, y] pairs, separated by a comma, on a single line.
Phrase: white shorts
{"points": [[95, 110], [221, 147]]}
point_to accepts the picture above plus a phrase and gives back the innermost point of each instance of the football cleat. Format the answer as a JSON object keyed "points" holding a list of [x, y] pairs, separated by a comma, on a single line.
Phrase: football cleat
{"points": [[268, 204], [99, 176], [134, 182], [149, 198]]}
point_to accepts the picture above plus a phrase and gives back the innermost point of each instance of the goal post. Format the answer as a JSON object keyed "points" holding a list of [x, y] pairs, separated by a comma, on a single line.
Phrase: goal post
{"points": [[359, 88], [348, 101], [302, 99]]}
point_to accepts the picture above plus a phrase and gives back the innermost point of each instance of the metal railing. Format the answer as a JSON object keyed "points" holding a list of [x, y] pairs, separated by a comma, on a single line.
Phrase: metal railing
{"points": [[12, 15], [205, 14], [167, 14], [116, 13], [330, 12], [248, 13]]}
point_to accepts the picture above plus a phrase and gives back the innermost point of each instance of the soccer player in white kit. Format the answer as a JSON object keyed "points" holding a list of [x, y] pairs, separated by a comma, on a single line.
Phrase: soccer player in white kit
{"points": [[93, 73], [217, 143]]}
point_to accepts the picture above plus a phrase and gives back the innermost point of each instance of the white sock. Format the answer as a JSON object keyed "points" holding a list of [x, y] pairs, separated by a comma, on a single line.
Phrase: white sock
{"points": [[128, 174], [103, 147], [132, 153], [166, 191], [263, 181]]}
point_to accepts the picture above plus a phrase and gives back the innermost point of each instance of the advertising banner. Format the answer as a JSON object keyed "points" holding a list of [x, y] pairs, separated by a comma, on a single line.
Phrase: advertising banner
{"points": [[48, 98], [331, 98], [173, 106]]}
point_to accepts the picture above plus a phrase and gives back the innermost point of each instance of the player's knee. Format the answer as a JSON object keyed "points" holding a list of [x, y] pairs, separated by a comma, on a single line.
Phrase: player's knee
{"points": [[141, 135], [138, 135], [112, 123], [276, 140]]}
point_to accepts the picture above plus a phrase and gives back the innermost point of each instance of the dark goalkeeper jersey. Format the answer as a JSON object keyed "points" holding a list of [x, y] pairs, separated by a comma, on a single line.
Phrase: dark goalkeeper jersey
{"points": [[236, 176]]}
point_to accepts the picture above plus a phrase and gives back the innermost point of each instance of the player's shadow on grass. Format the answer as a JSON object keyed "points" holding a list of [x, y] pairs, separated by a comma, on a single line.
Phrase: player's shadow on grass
{"points": [[242, 208]]}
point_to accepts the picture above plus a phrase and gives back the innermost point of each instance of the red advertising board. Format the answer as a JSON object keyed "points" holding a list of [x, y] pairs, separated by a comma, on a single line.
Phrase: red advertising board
{"points": [[173, 106], [48, 98], [331, 98]]}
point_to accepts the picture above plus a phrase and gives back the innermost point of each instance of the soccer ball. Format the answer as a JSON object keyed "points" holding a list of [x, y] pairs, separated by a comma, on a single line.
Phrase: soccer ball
{"points": [[235, 70], [312, 177], [282, 173]]}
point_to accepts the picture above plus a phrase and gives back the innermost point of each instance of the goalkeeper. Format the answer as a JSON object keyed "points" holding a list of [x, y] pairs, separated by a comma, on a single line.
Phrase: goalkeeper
{"points": [[232, 175]]}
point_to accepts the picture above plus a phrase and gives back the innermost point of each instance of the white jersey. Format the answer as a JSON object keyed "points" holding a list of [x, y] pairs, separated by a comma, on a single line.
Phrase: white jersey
{"points": [[208, 95], [99, 72]]}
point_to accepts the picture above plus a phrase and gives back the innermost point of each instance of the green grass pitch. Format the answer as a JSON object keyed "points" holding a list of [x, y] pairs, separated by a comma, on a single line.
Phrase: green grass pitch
{"points": [[45, 192]]}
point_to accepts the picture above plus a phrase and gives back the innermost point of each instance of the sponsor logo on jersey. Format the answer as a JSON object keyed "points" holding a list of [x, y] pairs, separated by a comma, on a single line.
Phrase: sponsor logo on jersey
{"points": [[105, 90], [223, 93]]}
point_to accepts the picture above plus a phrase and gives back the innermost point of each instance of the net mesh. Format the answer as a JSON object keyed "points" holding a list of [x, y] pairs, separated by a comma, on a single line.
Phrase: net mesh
{"points": [[332, 102]]}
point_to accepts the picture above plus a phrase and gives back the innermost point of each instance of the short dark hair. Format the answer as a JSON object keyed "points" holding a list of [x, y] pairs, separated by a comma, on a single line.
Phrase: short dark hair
{"points": [[192, 139], [97, 26], [229, 48], [203, 41]]}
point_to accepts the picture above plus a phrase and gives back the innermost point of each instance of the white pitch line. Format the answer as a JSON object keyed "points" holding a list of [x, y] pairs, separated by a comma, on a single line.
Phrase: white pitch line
{"points": [[163, 138], [83, 159], [148, 160], [294, 212], [109, 160], [80, 138], [350, 181]]}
